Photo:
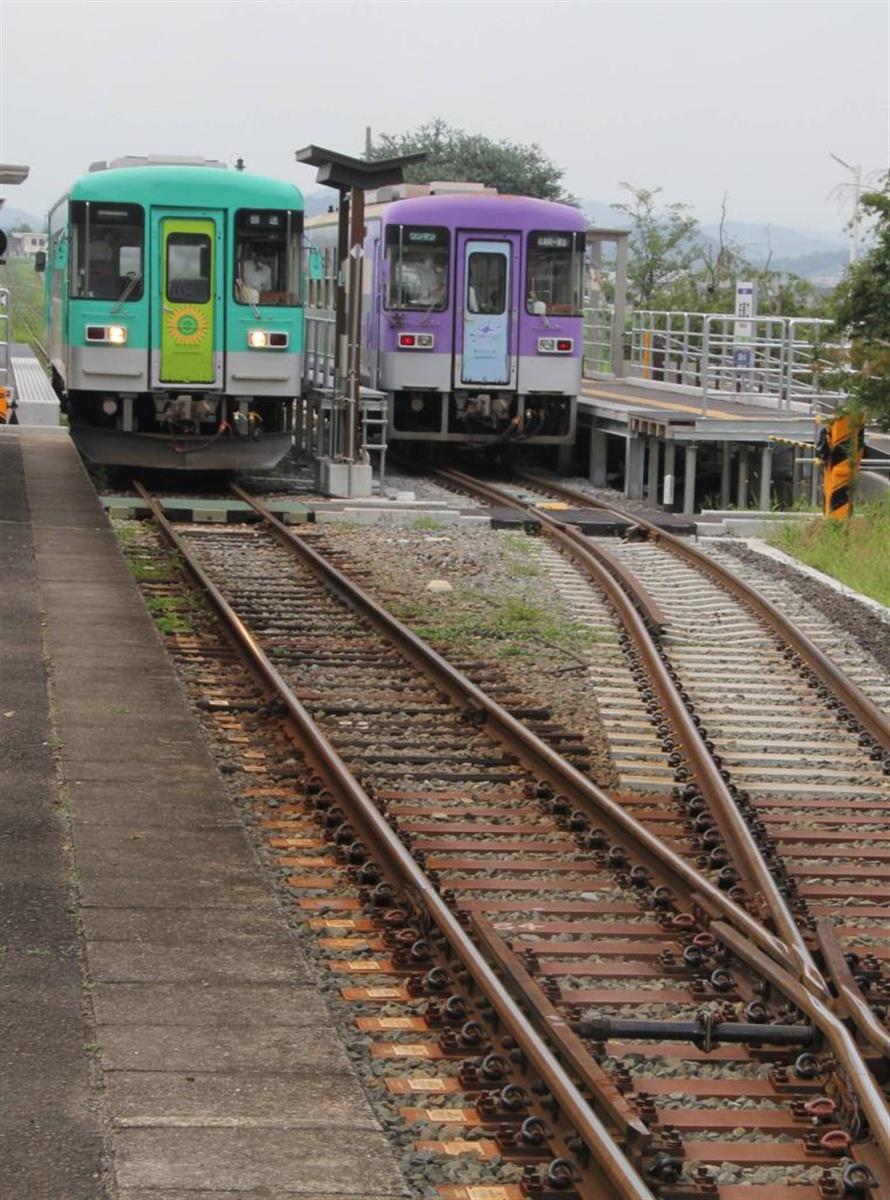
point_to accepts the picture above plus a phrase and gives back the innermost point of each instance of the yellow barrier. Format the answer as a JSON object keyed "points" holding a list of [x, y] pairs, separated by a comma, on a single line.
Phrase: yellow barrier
{"points": [[840, 449]]}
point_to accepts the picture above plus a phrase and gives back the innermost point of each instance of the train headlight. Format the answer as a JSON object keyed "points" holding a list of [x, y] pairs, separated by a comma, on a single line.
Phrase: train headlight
{"points": [[114, 335], [555, 345], [264, 339]]}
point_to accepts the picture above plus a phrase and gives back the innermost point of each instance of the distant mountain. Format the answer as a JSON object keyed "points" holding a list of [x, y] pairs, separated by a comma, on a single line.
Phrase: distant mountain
{"points": [[604, 216], [819, 256], [10, 217], [757, 239]]}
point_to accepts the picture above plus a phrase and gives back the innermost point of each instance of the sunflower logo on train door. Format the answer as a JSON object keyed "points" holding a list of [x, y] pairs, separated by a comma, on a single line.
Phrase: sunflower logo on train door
{"points": [[187, 325]]}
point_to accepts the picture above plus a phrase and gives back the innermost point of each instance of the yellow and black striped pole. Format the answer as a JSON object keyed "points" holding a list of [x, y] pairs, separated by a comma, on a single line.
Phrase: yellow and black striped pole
{"points": [[840, 448]]}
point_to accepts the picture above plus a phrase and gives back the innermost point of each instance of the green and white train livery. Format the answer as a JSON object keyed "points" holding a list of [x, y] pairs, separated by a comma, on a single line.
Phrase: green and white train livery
{"points": [[175, 325]]}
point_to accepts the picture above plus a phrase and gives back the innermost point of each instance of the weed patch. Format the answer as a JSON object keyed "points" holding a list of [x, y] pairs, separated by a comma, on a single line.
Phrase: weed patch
{"points": [[855, 552]]}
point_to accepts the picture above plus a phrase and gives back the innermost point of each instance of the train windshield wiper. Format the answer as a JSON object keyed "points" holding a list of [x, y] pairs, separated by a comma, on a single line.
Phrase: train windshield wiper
{"points": [[247, 295], [131, 283]]}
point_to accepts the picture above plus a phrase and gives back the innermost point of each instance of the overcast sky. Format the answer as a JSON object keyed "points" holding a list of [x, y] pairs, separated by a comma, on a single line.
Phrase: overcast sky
{"points": [[698, 98]]}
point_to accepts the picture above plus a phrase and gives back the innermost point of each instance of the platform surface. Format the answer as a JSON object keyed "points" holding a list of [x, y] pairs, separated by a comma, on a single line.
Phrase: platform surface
{"points": [[195, 1048], [36, 402], [724, 416]]}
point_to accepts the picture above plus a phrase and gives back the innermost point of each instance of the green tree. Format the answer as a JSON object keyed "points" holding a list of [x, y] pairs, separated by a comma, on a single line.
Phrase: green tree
{"points": [[665, 249], [862, 313], [452, 153]]}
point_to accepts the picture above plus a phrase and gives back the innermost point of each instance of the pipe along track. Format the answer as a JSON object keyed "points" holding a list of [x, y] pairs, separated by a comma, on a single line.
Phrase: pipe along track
{"points": [[559, 1055]]}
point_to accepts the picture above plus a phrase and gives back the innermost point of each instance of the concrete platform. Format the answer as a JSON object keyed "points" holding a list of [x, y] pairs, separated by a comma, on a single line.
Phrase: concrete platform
{"points": [[35, 401], [163, 1038]]}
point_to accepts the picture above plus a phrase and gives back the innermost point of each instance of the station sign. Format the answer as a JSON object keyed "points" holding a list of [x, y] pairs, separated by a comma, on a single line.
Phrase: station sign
{"points": [[745, 314]]}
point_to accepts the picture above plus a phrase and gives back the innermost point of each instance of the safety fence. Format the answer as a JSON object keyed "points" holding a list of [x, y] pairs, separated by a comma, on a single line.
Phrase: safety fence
{"points": [[779, 359], [5, 337]]}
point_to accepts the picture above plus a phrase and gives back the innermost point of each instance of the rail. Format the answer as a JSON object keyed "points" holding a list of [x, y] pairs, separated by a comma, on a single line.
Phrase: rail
{"points": [[744, 935], [736, 833], [864, 709], [385, 843], [812, 992]]}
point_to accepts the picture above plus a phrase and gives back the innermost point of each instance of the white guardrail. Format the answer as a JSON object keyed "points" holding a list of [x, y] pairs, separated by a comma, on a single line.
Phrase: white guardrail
{"points": [[785, 360]]}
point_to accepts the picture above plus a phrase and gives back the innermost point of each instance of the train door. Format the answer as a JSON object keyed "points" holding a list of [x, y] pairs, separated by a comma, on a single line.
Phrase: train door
{"points": [[486, 320], [188, 316]]}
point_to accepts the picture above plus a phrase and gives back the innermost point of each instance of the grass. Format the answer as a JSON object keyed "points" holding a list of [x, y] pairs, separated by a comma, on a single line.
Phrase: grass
{"points": [[425, 521], [520, 557], [172, 614], [855, 552], [26, 299], [513, 623]]}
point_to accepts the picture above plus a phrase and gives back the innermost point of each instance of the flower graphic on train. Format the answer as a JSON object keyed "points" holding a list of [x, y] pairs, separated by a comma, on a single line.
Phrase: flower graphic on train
{"points": [[187, 325]]}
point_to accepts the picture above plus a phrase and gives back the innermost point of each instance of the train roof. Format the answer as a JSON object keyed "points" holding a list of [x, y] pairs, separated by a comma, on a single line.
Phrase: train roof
{"points": [[475, 210], [195, 185]]}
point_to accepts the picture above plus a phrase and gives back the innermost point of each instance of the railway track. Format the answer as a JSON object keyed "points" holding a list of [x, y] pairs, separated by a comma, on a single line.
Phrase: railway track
{"points": [[767, 719], [638, 989]]}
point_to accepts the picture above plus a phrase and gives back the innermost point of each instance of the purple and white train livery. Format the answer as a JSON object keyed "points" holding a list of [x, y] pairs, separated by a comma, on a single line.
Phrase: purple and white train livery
{"points": [[472, 312]]}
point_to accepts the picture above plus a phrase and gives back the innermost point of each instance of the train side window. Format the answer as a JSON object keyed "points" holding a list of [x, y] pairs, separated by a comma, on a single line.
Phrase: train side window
{"points": [[487, 283], [417, 262], [555, 274], [108, 245], [268, 248], [188, 268]]}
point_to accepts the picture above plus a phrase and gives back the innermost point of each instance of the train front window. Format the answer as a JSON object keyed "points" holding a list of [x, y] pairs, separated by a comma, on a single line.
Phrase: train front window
{"points": [[108, 247], [555, 274], [487, 283], [267, 257], [188, 268], [417, 258]]}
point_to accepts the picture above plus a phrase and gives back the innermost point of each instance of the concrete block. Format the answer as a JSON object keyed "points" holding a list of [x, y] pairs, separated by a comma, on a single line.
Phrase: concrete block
{"points": [[344, 479], [209, 516]]}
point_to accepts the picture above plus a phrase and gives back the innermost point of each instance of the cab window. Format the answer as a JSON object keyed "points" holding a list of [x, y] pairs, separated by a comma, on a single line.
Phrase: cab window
{"points": [[189, 259], [487, 283], [417, 258], [108, 246], [555, 274], [267, 257]]}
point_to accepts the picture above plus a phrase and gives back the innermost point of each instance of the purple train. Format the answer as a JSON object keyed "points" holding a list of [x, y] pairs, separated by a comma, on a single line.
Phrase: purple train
{"points": [[472, 312]]}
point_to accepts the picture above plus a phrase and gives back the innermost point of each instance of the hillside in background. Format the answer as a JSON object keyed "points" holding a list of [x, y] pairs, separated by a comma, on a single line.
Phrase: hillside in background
{"points": [[818, 256], [10, 216]]}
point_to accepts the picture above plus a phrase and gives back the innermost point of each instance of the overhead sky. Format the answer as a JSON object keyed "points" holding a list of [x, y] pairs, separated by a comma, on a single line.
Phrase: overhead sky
{"points": [[696, 98]]}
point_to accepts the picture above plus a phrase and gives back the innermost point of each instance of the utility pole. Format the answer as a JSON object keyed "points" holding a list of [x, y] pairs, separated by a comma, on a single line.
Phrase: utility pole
{"points": [[856, 172], [368, 143]]}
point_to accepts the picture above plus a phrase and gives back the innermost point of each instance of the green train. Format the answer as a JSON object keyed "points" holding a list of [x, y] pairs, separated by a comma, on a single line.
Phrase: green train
{"points": [[174, 316]]}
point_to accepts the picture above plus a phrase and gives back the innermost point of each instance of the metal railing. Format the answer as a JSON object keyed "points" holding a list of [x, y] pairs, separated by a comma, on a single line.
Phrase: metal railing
{"points": [[598, 323], [778, 360], [6, 379], [319, 360]]}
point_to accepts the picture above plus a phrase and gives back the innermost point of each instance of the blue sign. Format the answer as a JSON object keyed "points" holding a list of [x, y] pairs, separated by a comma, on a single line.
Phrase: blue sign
{"points": [[741, 359]]}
